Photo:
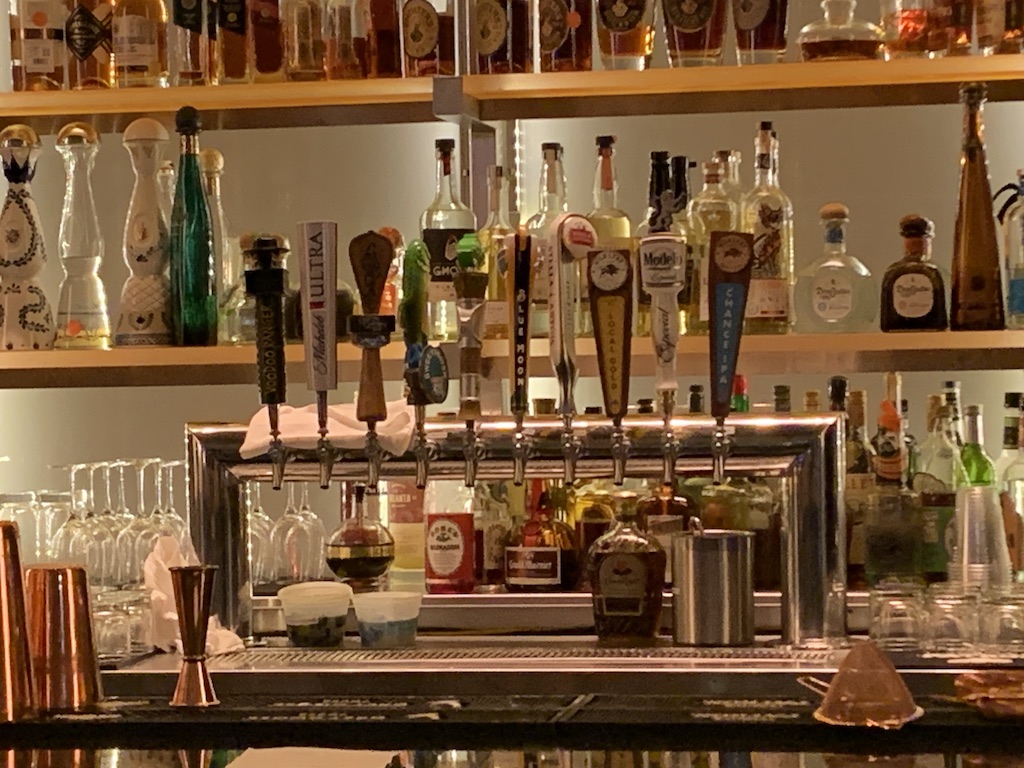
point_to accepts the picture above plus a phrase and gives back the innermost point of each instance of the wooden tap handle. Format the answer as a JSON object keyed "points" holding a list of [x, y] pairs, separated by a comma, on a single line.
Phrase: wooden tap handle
{"points": [[370, 405]]}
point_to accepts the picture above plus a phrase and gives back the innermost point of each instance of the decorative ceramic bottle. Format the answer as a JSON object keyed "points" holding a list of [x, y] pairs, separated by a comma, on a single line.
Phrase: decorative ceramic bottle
{"points": [[82, 319], [144, 319], [25, 318]]}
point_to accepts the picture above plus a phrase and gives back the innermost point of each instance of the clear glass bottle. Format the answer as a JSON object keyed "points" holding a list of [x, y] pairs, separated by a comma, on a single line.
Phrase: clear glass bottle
{"points": [[189, 42], [87, 32], [234, 42], [977, 291], [140, 43], [492, 240], [304, 45], [768, 214], [840, 36], [428, 38], [442, 225], [553, 203], [612, 225], [227, 251], [913, 291], [761, 27], [563, 29], [1011, 417], [38, 52], [625, 33], [692, 233], [990, 18], [82, 320], [345, 38], [1012, 482], [694, 31], [710, 211], [951, 397], [1012, 218], [916, 28], [978, 467], [836, 293], [659, 219], [500, 37], [166, 180], [860, 484], [267, 30], [731, 160]]}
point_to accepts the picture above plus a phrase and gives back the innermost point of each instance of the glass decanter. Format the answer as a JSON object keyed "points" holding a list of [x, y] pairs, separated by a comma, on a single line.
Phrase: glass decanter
{"points": [[840, 36], [361, 550], [82, 320]]}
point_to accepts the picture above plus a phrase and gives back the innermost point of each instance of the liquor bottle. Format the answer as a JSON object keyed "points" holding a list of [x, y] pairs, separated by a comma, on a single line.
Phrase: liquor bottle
{"points": [[82, 319], [612, 225], [940, 473], [694, 31], [442, 225], [691, 231], [500, 38], [565, 34], [812, 401], [38, 53], [918, 28], [782, 399], [140, 43], [991, 25], [909, 441], [553, 202], [837, 394], [1011, 416], [227, 252], [492, 522], [360, 552], [234, 43], [594, 514], [978, 467], [625, 33], [1012, 483], [760, 30], [959, 27], [143, 319], [87, 32], [664, 514], [189, 42], [267, 32], [405, 520], [658, 219], [951, 397], [695, 407], [1011, 217], [304, 46], [193, 271], [626, 569], [712, 210], [890, 448], [768, 213], [428, 38], [380, 51], [540, 552], [450, 539], [840, 36], [492, 240], [345, 51], [860, 484], [1013, 29], [836, 293], [740, 402], [913, 292], [976, 302]]}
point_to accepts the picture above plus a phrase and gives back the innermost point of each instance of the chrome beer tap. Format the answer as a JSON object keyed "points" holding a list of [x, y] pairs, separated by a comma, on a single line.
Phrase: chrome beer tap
{"points": [[518, 294], [265, 282], [318, 266], [471, 291], [663, 274], [570, 236], [731, 258]]}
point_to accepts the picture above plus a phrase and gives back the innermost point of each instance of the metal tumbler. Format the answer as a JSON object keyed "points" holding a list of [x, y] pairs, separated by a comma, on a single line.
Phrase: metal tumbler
{"points": [[17, 700], [193, 597]]}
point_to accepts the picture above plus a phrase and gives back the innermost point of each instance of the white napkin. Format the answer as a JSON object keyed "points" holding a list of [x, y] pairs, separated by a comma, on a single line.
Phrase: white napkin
{"points": [[301, 430], [167, 554]]}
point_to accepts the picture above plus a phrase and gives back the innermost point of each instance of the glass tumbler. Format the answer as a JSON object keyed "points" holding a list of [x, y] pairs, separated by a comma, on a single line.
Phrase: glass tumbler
{"points": [[952, 618], [897, 616], [1001, 621], [20, 508], [111, 630]]}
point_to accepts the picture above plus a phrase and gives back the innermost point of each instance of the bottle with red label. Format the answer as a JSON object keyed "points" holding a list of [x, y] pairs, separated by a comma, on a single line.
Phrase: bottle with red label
{"points": [[450, 551]]}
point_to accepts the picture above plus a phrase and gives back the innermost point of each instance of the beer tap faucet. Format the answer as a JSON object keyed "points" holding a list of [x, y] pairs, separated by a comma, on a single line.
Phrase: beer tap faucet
{"points": [[371, 255], [318, 266], [265, 282], [570, 237], [663, 274], [731, 258], [471, 291], [518, 294]]}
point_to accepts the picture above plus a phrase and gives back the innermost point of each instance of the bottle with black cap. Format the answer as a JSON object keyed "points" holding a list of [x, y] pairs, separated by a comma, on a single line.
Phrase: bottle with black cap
{"points": [[657, 220], [696, 405], [193, 272]]}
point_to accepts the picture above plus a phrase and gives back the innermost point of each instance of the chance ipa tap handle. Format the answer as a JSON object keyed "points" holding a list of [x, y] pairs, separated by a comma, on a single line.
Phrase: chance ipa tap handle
{"points": [[610, 278], [265, 282], [730, 262], [371, 255], [518, 282], [663, 274]]}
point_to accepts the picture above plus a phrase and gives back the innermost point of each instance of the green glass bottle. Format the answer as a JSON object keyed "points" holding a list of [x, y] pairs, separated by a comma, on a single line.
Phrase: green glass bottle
{"points": [[977, 465], [193, 272]]}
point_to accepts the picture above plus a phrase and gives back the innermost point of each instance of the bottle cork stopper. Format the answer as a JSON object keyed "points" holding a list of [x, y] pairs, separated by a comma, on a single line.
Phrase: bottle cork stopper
{"points": [[914, 225], [187, 120], [973, 93], [211, 161], [834, 212]]}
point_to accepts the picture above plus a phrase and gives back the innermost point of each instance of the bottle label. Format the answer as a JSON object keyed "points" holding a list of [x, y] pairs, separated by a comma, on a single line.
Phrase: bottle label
{"points": [[86, 32], [39, 36], [449, 546], [533, 566], [768, 299], [231, 16], [405, 521], [832, 297], [912, 295], [136, 41], [421, 29], [621, 15], [622, 585], [1012, 503], [748, 14], [494, 545], [491, 26], [496, 316], [689, 15], [554, 24], [188, 14], [442, 244], [1016, 297], [768, 256]]}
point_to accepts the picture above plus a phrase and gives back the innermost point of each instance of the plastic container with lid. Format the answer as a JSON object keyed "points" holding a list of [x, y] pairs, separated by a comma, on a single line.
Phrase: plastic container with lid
{"points": [[388, 619], [315, 612]]}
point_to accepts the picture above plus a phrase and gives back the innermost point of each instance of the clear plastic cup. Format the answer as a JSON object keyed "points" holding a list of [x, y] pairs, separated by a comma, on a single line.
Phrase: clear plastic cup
{"points": [[315, 612], [388, 619]]}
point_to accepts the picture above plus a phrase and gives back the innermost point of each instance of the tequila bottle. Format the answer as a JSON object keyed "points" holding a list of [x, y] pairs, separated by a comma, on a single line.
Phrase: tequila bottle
{"points": [[193, 270], [659, 219], [189, 42], [140, 43], [1012, 217], [492, 240], [234, 42], [442, 225], [612, 225], [38, 53], [731, 160], [227, 252], [913, 292], [82, 320], [87, 32], [836, 293], [553, 202], [712, 210], [768, 213]]}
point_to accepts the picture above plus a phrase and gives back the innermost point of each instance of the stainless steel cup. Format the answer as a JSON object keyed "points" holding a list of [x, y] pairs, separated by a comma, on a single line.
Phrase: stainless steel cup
{"points": [[16, 694], [64, 666], [713, 592]]}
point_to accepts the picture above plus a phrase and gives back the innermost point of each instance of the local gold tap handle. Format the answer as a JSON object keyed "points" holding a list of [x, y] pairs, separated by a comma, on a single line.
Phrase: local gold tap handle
{"points": [[731, 256], [470, 290], [663, 275], [371, 255], [610, 278], [265, 282], [518, 287]]}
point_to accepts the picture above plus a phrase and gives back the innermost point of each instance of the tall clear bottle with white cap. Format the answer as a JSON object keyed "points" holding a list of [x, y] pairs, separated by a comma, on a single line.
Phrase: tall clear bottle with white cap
{"points": [[553, 202]]}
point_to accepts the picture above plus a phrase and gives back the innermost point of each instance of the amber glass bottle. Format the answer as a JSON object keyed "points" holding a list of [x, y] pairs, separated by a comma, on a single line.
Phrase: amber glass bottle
{"points": [[913, 292], [541, 553]]}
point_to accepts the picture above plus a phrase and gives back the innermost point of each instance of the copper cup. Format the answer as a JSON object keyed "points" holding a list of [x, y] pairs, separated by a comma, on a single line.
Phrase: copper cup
{"points": [[66, 758], [65, 671], [193, 597], [194, 758], [16, 694]]}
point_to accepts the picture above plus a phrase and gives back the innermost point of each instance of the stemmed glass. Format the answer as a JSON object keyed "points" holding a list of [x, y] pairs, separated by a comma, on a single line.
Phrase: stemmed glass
{"points": [[131, 567], [169, 515], [157, 524], [297, 542], [61, 543], [260, 526], [94, 542]]}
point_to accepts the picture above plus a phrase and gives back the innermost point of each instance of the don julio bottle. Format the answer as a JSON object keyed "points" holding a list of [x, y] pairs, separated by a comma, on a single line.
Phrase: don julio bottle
{"points": [[913, 293]]}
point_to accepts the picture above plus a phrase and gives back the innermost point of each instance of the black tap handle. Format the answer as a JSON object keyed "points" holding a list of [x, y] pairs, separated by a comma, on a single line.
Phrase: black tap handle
{"points": [[265, 282]]}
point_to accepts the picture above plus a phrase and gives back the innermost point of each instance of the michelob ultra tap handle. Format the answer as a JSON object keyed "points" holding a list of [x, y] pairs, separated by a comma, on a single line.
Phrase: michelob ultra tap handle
{"points": [[731, 257], [610, 277], [371, 255], [518, 288], [663, 275], [318, 269]]}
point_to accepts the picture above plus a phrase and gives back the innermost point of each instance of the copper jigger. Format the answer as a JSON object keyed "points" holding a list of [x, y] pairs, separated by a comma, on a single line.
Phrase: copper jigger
{"points": [[65, 671], [194, 758], [193, 596], [16, 694], [66, 758]]}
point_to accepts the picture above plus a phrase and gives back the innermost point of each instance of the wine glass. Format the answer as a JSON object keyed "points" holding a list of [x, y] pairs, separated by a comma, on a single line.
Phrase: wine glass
{"points": [[61, 543], [157, 525], [259, 534], [297, 543], [131, 568], [94, 542], [170, 517]]}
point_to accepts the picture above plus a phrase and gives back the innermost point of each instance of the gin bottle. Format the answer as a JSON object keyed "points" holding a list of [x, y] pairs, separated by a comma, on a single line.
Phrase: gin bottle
{"points": [[82, 320], [552, 203], [768, 213], [612, 225], [442, 225], [913, 292], [712, 210], [492, 240], [836, 293]]}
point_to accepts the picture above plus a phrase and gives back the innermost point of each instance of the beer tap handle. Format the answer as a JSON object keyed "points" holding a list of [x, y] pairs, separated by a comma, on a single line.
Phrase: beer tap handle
{"points": [[471, 291], [518, 292]]}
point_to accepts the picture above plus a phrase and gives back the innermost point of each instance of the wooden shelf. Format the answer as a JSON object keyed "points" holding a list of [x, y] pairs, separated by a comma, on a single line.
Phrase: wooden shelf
{"points": [[267, 105]]}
